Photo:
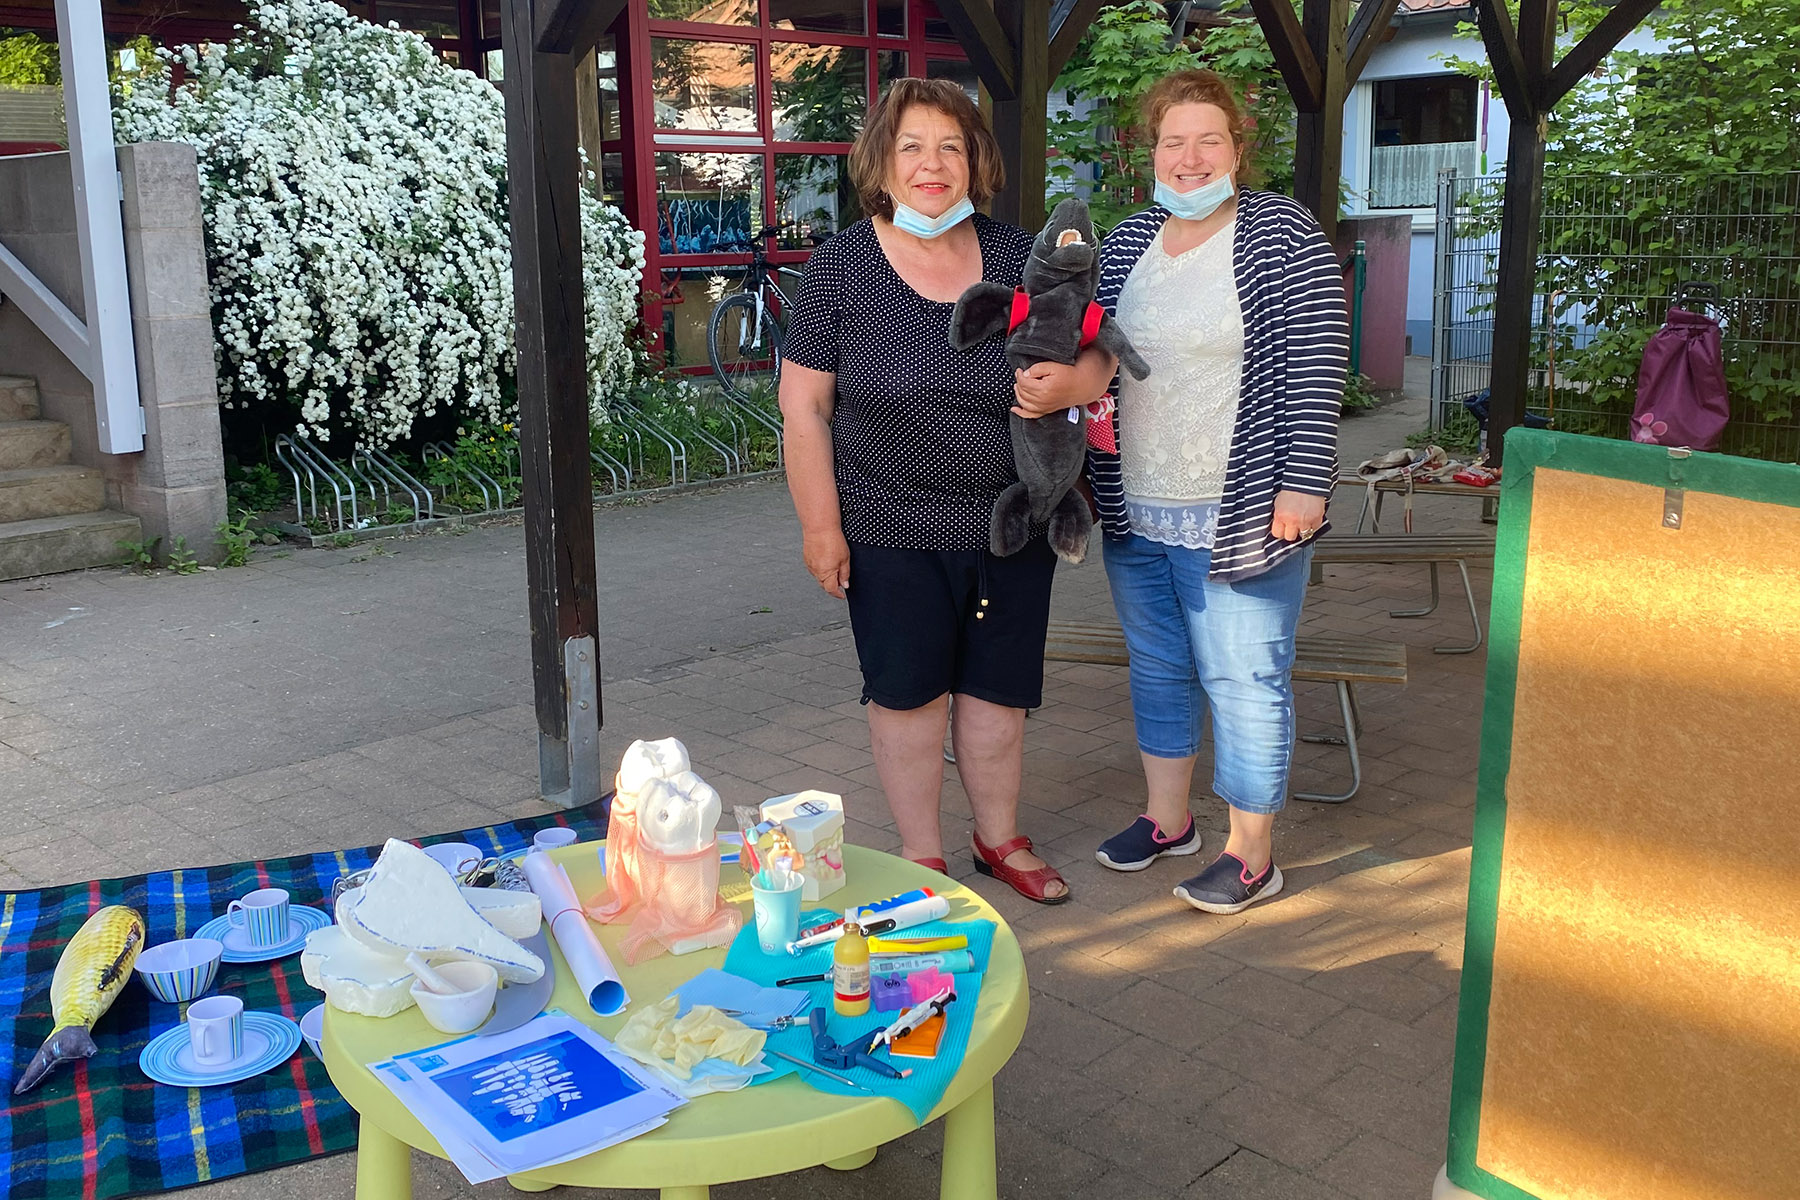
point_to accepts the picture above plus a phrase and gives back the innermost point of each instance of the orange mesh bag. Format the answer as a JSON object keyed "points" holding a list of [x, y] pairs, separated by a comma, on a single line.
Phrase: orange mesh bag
{"points": [[623, 864], [680, 909]]}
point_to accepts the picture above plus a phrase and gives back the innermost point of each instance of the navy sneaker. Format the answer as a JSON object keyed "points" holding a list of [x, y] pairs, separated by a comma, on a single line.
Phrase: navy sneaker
{"points": [[1144, 843], [1227, 887]]}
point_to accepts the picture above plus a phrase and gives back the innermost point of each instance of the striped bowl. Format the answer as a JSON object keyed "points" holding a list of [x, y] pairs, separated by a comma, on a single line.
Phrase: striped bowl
{"points": [[182, 970]]}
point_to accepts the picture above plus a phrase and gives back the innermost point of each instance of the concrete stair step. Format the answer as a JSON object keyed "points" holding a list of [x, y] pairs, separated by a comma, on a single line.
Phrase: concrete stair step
{"points": [[30, 493], [33, 444], [74, 542], [19, 398]]}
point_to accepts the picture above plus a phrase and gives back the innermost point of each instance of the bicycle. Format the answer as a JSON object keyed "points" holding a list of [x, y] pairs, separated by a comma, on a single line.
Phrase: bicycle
{"points": [[744, 335]]}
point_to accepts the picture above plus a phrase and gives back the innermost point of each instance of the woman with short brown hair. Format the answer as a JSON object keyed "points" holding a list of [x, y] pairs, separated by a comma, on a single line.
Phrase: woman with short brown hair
{"points": [[897, 447]]}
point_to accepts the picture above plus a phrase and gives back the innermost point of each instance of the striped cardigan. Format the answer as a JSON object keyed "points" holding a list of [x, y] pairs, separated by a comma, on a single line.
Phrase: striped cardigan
{"points": [[1296, 347]]}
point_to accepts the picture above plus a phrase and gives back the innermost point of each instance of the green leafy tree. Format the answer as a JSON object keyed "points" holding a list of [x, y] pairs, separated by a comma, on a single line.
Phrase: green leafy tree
{"points": [[1688, 153], [27, 60], [1126, 51], [1123, 53]]}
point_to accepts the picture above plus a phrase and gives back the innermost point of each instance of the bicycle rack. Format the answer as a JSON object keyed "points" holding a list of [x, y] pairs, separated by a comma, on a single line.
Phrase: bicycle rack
{"points": [[493, 496], [381, 464], [299, 455], [613, 467]]}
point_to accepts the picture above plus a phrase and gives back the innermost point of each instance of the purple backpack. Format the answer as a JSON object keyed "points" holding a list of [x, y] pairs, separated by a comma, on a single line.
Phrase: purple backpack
{"points": [[1681, 385]]}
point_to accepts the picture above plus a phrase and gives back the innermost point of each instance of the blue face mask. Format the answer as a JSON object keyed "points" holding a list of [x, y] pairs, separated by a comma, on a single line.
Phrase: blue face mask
{"points": [[1198, 204], [911, 220]]}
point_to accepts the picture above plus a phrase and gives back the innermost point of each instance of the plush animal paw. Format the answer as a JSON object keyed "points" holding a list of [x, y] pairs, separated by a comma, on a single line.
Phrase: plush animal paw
{"points": [[1070, 526], [1010, 527]]}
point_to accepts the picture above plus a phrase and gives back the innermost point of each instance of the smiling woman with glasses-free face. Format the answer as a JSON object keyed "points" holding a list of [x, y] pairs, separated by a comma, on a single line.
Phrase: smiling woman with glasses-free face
{"points": [[930, 167], [1195, 146]]}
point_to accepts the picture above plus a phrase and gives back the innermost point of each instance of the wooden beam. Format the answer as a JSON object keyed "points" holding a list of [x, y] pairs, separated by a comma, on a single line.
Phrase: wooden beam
{"points": [[1537, 41], [573, 26], [1372, 20], [1065, 37], [1319, 133], [1515, 283], [982, 37], [1287, 42], [1510, 73], [1021, 123], [549, 326], [1601, 40]]}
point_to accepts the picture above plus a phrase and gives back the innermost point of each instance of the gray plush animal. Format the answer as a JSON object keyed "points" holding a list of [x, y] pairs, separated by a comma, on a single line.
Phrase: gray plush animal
{"points": [[1051, 317]]}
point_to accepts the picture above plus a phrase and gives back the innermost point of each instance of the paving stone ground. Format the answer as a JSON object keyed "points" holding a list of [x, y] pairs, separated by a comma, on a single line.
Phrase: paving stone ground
{"points": [[1300, 1051]]}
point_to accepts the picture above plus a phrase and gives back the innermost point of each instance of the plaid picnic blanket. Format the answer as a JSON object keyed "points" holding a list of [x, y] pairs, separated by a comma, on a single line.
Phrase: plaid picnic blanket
{"points": [[100, 1129]]}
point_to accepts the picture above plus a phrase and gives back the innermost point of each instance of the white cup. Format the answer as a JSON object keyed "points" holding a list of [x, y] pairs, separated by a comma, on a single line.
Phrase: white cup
{"points": [[458, 858], [552, 839], [262, 915], [216, 1030]]}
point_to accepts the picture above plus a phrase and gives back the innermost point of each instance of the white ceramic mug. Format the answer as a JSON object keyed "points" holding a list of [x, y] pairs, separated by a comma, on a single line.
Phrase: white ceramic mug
{"points": [[553, 839], [262, 915], [216, 1030]]}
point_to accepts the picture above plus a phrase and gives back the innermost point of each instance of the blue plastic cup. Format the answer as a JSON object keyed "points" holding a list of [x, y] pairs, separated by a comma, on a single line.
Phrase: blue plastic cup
{"points": [[777, 912]]}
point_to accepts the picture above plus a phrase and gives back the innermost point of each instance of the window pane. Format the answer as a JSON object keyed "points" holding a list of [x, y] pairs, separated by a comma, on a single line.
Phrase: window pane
{"points": [[958, 71], [710, 12], [813, 198], [433, 18], [890, 17], [607, 60], [817, 16], [707, 203], [490, 19], [612, 178], [936, 28], [821, 92], [495, 65], [703, 85], [889, 66], [1421, 126]]}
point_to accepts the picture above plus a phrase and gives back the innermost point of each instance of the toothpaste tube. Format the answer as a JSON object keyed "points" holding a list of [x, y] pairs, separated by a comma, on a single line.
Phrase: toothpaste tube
{"points": [[880, 908], [951, 962], [904, 916]]}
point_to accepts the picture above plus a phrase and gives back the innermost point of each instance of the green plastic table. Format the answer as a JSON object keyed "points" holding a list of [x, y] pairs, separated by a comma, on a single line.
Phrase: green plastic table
{"points": [[766, 1130]]}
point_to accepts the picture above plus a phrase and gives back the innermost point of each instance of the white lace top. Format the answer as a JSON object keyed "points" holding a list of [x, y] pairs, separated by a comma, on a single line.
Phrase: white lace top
{"points": [[1175, 427]]}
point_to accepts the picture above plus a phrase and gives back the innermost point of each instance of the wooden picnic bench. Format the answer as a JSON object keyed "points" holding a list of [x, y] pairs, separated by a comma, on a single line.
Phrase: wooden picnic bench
{"points": [[1431, 548], [1342, 662], [1489, 496]]}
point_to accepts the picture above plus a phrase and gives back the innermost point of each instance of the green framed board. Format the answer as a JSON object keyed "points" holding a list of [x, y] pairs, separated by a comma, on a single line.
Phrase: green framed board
{"points": [[1629, 1025]]}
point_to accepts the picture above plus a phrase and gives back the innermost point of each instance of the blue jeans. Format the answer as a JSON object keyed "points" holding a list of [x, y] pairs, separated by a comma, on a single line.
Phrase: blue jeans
{"points": [[1194, 642]]}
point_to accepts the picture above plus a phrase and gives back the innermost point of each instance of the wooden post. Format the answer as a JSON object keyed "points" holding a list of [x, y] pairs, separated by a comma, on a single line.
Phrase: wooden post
{"points": [[550, 329], [1021, 124], [1531, 81], [587, 112], [1319, 132]]}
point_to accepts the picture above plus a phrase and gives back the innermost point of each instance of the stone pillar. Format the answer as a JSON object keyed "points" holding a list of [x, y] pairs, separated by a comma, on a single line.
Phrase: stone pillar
{"points": [[177, 485]]}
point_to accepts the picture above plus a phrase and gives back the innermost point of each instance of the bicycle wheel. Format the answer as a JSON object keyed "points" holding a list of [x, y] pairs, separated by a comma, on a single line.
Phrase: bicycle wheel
{"points": [[742, 349]]}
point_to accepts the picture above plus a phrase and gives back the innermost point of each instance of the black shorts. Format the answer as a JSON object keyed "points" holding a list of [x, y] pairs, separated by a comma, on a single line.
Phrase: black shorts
{"points": [[922, 628]]}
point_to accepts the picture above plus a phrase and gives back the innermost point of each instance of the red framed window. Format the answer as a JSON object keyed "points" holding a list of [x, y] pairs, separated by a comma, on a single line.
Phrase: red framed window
{"points": [[741, 118]]}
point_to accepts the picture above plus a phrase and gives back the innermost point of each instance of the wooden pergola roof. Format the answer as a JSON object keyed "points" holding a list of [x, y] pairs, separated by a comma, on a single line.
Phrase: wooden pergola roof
{"points": [[1017, 48]]}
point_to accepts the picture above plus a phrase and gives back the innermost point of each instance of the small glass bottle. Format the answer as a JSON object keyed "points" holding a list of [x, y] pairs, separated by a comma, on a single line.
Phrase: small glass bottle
{"points": [[850, 969]]}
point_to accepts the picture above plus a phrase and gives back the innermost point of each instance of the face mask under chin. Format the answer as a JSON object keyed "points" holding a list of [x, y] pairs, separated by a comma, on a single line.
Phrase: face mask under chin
{"points": [[911, 220], [1198, 204]]}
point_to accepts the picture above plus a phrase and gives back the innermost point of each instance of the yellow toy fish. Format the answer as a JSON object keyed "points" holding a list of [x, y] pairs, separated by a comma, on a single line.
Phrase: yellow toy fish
{"points": [[92, 970]]}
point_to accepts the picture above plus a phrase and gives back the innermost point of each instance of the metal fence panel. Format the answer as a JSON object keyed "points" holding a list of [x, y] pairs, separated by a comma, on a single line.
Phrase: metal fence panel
{"points": [[1616, 251]]}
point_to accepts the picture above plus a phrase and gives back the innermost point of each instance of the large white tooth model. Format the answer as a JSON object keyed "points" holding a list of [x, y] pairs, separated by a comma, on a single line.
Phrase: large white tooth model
{"points": [[643, 763], [662, 856], [411, 905]]}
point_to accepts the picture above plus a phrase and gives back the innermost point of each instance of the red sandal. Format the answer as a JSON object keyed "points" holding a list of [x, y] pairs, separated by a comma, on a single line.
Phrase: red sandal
{"points": [[991, 861], [936, 864]]}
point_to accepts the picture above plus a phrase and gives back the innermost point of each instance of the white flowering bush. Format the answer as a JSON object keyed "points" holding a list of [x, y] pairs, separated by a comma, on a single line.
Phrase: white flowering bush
{"points": [[354, 192]]}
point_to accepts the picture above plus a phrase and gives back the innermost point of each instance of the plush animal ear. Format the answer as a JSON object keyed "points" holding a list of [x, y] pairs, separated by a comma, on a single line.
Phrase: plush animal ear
{"points": [[981, 312]]}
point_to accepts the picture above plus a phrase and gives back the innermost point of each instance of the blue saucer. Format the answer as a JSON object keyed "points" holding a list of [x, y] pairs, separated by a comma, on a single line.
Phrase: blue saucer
{"points": [[269, 1040], [302, 920]]}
